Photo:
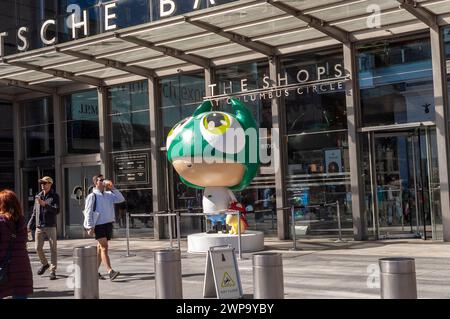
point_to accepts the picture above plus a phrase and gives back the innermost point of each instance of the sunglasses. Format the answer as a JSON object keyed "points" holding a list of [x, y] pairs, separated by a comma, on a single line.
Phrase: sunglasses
{"points": [[44, 183], [101, 180]]}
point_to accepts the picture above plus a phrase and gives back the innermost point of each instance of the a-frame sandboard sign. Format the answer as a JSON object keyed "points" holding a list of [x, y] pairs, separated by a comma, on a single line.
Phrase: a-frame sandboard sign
{"points": [[222, 280]]}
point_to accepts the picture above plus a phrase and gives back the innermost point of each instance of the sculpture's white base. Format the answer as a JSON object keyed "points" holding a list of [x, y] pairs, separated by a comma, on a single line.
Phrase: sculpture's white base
{"points": [[251, 241]]}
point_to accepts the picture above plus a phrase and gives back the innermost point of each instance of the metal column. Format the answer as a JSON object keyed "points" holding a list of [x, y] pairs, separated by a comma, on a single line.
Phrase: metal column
{"points": [[59, 152], [279, 151], [373, 186], [157, 158], [210, 79], [353, 123], [442, 136], [105, 132], [18, 150]]}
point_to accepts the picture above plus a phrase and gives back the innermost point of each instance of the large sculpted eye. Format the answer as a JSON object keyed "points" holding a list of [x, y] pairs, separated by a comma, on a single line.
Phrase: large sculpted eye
{"points": [[223, 132], [217, 123], [175, 130]]}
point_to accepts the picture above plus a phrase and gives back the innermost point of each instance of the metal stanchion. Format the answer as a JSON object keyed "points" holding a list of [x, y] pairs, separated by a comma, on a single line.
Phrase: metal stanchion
{"points": [[398, 278], [239, 235], [127, 231], [86, 272], [177, 218], [169, 218], [168, 279], [339, 222], [268, 280], [294, 235]]}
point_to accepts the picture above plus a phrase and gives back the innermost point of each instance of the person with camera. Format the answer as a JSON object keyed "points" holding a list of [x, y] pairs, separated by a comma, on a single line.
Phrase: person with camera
{"points": [[45, 209], [100, 216]]}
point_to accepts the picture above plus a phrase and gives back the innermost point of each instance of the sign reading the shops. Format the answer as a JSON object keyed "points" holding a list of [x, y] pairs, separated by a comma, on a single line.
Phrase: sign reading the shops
{"points": [[108, 16], [322, 80], [131, 169]]}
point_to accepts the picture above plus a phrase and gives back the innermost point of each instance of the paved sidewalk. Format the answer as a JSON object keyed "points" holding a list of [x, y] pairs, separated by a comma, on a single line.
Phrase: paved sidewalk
{"points": [[319, 269]]}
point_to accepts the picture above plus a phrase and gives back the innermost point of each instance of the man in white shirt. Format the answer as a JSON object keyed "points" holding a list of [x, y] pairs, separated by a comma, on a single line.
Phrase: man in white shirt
{"points": [[100, 216]]}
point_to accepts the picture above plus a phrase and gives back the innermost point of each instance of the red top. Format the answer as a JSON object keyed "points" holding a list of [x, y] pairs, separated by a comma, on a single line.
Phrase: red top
{"points": [[20, 277]]}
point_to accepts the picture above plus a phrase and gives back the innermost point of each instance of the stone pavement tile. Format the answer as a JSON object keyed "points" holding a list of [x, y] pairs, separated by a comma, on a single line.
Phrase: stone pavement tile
{"points": [[319, 269]]}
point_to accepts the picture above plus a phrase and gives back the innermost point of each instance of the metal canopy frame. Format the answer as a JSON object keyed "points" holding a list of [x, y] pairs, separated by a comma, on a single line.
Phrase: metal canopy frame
{"points": [[57, 73], [178, 54], [112, 64], [126, 51], [419, 12], [236, 38], [318, 24]]}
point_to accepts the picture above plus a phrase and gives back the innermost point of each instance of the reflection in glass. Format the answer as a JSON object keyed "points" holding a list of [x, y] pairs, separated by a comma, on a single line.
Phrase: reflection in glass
{"points": [[318, 177], [81, 123], [137, 201], [129, 113], [405, 183], [37, 112], [180, 96], [6, 147], [396, 82], [38, 134], [314, 110], [39, 141]]}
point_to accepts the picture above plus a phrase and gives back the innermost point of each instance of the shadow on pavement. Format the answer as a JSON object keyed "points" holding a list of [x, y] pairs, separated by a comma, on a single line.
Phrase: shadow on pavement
{"points": [[52, 294]]}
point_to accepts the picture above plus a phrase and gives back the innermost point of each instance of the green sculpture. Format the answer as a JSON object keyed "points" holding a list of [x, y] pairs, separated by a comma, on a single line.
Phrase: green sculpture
{"points": [[216, 151]]}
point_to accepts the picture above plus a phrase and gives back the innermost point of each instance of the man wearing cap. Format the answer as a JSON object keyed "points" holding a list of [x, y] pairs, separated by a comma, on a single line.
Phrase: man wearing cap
{"points": [[45, 209]]}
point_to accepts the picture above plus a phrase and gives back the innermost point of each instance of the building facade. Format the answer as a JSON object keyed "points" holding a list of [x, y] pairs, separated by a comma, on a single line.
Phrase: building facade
{"points": [[351, 98]]}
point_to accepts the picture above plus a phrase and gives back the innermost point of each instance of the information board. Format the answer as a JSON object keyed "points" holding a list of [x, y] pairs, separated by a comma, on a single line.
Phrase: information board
{"points": [[131, 169]]}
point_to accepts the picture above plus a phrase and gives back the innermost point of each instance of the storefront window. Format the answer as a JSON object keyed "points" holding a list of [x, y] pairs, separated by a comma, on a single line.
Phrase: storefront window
{"points": [[129, 114], [315, 110], [6, 147], [130, 131], [81, 122], [180, 95], [396, 83], [316, 126], [259, 198], [38, 128], [446, 35]]}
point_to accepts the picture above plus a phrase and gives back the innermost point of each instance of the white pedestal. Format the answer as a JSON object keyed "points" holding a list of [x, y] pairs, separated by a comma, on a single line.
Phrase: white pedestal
{"points": [[251, 241]]}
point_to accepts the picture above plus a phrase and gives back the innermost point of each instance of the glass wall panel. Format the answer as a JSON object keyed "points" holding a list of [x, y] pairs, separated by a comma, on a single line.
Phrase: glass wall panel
{"points": [[81, 122], [128, 111], [318, 168], [6, 147], [129, 114], [259, 198], [396, 84], [38, 128], [180, 95]]}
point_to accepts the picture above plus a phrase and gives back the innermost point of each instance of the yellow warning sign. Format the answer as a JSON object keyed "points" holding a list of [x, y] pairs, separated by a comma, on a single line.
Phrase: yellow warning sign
{"points": [[227, 282]]}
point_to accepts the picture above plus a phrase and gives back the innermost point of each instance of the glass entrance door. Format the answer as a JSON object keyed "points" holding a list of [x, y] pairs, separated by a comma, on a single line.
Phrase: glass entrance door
{"points": [[78, 184], [405, 184]]}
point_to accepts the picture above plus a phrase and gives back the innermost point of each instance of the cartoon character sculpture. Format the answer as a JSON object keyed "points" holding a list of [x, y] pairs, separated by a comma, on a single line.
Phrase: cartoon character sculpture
{"points": [[218, 152]]}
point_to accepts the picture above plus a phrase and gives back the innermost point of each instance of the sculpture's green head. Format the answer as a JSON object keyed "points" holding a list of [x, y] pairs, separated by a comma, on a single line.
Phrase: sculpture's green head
{"points": [[215, 148]]}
